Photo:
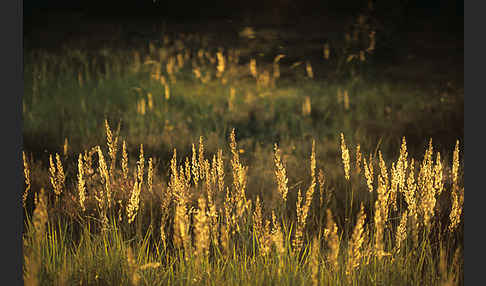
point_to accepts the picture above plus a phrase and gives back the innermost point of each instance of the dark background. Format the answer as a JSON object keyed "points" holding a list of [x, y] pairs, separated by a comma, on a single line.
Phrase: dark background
{"points": [[414, 24], [453, 10]]}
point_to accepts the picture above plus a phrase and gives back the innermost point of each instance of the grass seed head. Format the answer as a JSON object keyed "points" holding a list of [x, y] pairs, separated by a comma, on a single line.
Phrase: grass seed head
{"points": [[201, 229], [53, 177], [308, 68], [133, 204], [278, 237], [61, 178], [150, 175], [368, 171], [438, 175], [357, 239], [65, 147], [306, 106], [27, 179], [124, 162], [333, 241], [358, 159], [81, 183], [384, 172], [220, 170], [257, 218], [401, 233], [380, 219], [455, 164], [456, 209], [345, 157], [346, 99], [40, 215], [106, 179], [253, 68], [326, 51], [280, 174]]}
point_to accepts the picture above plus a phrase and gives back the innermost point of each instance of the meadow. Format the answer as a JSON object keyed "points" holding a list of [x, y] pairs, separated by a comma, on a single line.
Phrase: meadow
{"points": [[189, 160]]}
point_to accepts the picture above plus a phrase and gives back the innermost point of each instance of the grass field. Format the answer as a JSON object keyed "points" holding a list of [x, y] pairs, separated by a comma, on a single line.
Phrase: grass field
{"points": [[184, 161]]}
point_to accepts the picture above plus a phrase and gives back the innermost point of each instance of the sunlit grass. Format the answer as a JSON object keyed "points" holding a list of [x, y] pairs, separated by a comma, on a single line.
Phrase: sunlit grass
{"points": [[68, 95], [205, 223], [214, 209]]}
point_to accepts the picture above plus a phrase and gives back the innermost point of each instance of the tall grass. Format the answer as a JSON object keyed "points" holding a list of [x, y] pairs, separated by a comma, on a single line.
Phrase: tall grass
{"points": [[128, 224], [320, 188], [182, 85]]}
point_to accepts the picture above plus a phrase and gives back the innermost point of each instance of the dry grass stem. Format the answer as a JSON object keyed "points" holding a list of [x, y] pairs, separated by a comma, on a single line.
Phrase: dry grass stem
{"points": [[314, 261]]}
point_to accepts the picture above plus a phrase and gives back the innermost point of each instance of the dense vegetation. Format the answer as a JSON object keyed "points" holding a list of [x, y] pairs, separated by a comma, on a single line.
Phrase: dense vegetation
{"points": [[182, 161]]}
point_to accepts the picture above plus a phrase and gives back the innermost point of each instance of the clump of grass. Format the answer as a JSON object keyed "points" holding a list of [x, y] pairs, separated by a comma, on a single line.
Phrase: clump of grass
{"points": [[201, 225], [183, 86]]}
